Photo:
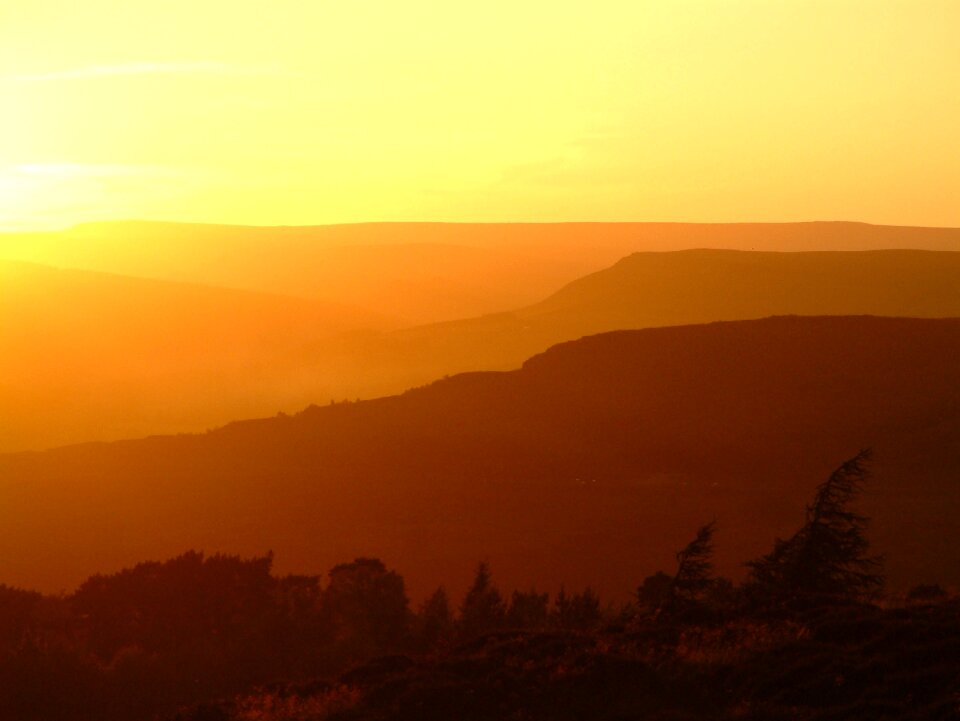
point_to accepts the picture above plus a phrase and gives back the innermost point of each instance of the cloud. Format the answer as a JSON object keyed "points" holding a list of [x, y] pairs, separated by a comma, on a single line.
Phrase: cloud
{"points": [[88, 72], [84, 178], [79, 170]]}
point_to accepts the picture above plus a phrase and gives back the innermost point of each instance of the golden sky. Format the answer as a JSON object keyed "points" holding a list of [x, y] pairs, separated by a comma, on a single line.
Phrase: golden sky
{"points": [[313, 111]]}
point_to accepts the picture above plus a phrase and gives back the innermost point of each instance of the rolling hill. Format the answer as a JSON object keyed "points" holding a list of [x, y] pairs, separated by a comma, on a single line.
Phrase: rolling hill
{"points": [[418, 272], [589, 465], [423, 272], [107, 358], [92, 356], [648, 290]]}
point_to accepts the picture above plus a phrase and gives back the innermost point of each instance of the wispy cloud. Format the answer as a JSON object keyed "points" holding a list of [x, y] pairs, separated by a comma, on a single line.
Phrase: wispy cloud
{"points": [[88, 72], [80, 170]]}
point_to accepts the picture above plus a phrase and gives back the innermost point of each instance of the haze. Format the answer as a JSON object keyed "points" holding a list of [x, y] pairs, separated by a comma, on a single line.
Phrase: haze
{"points": [[517, 359], [318, 112]]}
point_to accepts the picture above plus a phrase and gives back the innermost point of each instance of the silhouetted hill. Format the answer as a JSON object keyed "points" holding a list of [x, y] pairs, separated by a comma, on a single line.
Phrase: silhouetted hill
{"points": [[424, 272], [88, 355], [655, 289], [586, 466], [420, 272], [696, 286], [100, 363]]}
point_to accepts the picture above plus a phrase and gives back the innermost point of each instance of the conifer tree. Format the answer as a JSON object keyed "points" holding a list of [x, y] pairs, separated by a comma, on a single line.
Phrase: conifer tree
{"points": [[579, 611], [435, 621], [828, 556], [528, 610], [691, 583], [694, 567], [483, 609]]}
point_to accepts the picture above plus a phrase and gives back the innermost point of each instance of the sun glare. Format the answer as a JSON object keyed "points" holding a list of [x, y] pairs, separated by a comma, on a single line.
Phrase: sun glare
{"points": [[556, 289], [18, 195], [532, 111]]}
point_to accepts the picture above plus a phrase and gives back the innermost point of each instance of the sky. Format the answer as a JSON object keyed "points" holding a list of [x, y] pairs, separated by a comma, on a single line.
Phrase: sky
{"points": [[294, 112]]}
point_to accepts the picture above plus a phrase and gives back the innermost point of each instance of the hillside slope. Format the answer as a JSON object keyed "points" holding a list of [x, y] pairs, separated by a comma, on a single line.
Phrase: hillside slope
{"points": [[94, 357], [696, 286], [586, 466], [654, 289]]}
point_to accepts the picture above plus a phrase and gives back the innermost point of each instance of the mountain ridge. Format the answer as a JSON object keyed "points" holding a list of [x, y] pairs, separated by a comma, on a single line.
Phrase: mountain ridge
{"points": [[581, 467], [641, 290]]}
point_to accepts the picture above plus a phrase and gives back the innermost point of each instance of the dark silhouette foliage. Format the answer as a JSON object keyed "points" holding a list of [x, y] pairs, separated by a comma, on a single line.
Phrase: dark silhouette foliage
{"points": [[926, 593], [691, 585], [177, 604], [579, 611], [528, 610], [828, 556], [20, 613], [182, 633], [435, 622], [367, 606], [483, 609], [694, 567], [655, 591]]}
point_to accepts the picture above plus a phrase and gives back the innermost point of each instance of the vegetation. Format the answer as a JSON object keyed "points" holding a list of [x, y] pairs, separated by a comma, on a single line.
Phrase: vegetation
{"points": [[691, 584], [221, 638], [562, 448], [483, 609], [828, 555]]}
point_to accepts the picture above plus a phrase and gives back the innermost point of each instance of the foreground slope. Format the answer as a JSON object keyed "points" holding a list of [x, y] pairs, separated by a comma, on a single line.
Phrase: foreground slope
{"points": [[586, 466], [851, 663], [88, 355]]}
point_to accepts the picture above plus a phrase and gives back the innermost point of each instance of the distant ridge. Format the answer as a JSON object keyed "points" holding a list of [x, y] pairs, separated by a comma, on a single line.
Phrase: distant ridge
{"points": [[658, 225], [423, 271], [675, 288], [641, 290], [693, 286], [87, 355]]}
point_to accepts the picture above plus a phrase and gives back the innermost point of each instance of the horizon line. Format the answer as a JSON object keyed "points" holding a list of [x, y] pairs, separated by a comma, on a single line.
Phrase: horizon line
{"points": [[278, 226]]}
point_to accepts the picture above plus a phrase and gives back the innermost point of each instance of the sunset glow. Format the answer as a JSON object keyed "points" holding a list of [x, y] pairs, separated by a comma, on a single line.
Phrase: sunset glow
{"points": [[314, 112], [414, 359]]}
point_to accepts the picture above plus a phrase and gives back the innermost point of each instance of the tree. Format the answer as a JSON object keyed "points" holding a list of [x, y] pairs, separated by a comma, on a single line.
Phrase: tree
{"points": [[694, 567], [692, 582], [434, 620], [483, 608], [828, 555], [655, 591], [187, 602], [528, 610], [580, 611], [924, 593], [367, 605]]}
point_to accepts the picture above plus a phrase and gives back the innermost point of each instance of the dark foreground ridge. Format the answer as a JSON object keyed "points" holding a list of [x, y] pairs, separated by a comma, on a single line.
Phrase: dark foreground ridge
{"points": [[593, 459], [224, 639], [838, 664]]}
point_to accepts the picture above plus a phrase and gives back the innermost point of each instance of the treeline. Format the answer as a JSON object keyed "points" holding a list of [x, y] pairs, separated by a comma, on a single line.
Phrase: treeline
{"points": [[142, 642], [160, 635]]}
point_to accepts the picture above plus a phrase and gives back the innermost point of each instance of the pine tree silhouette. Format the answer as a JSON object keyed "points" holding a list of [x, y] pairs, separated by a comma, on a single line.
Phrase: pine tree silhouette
{"points": [[828, 555]]}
